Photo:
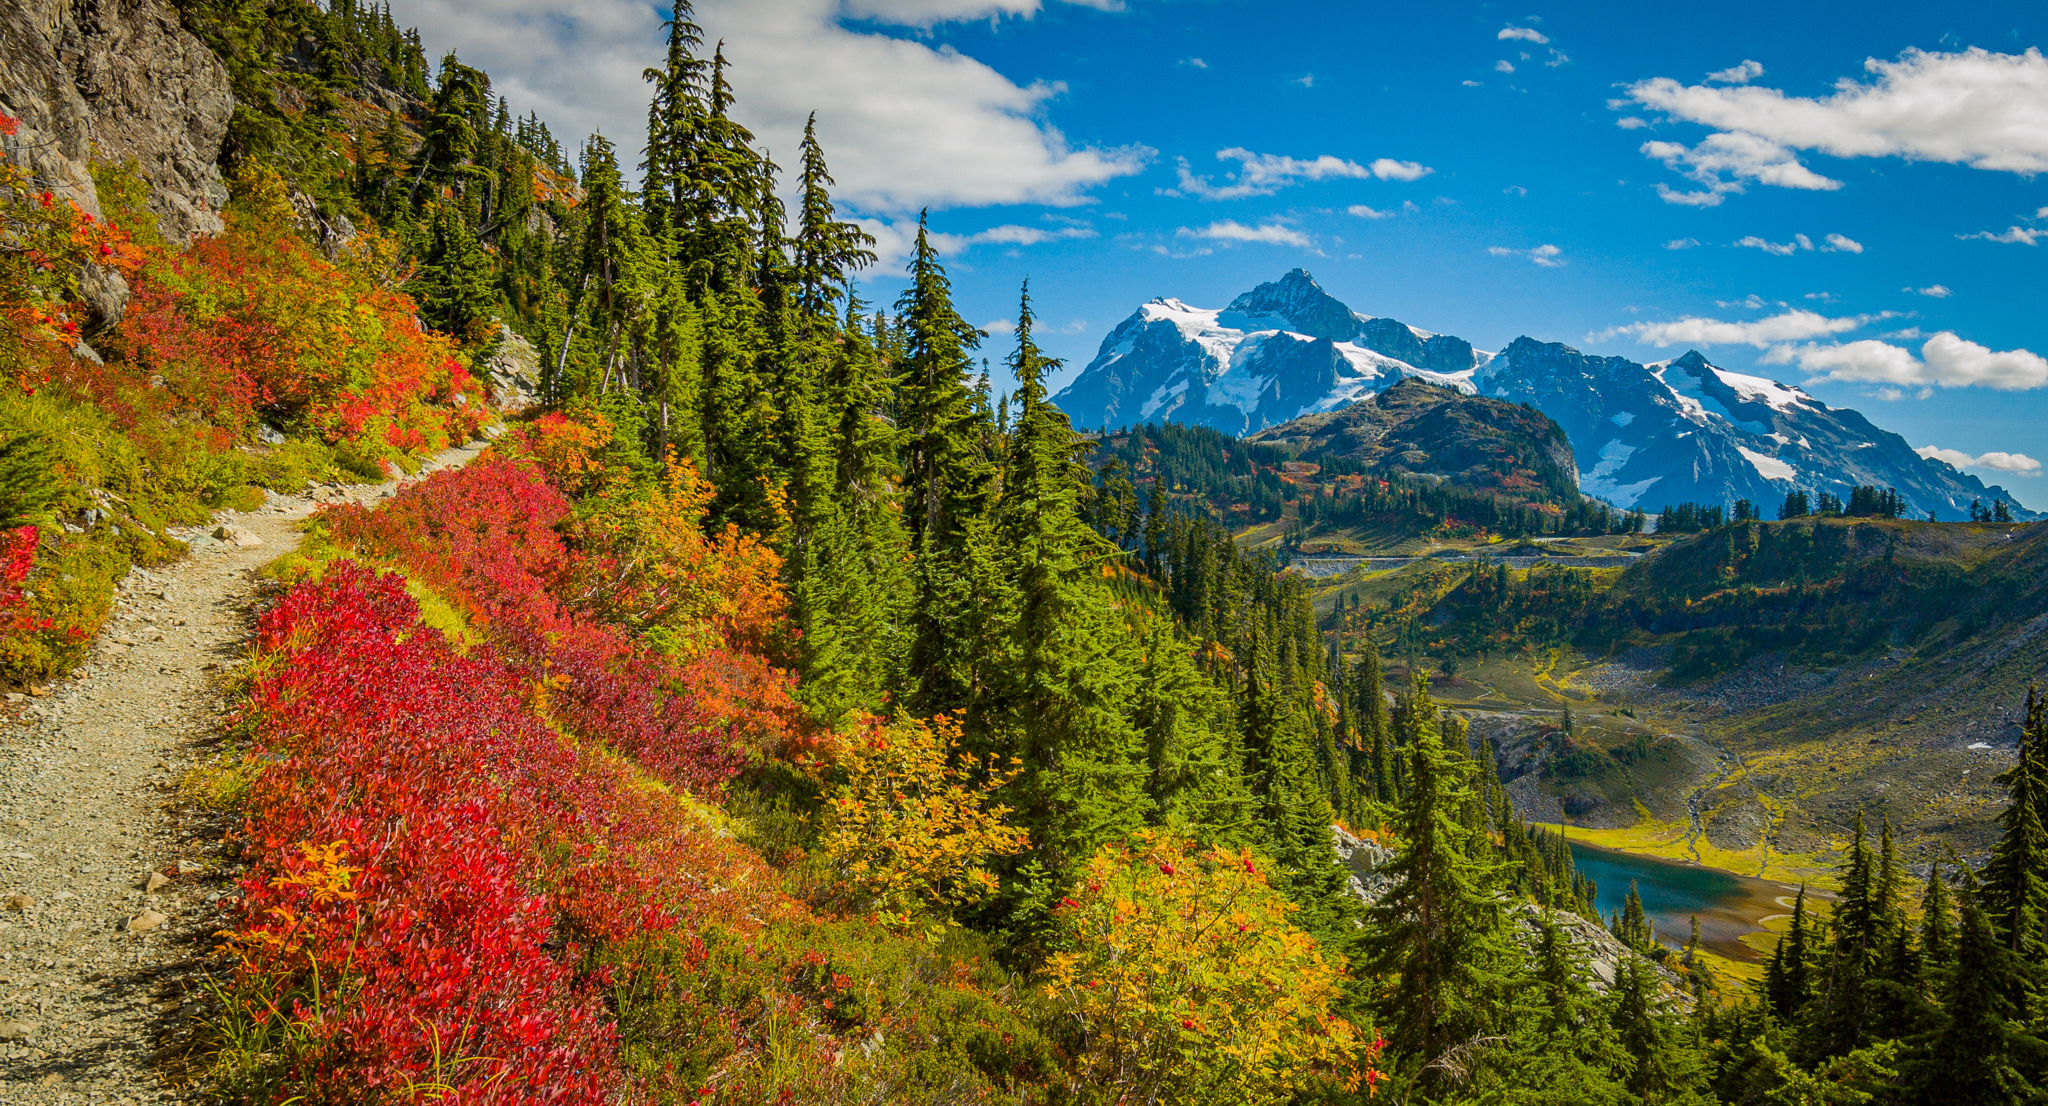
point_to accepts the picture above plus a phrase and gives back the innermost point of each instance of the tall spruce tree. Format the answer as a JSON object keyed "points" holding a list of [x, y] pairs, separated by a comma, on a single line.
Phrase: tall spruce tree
{"points": [[1437, 937]]}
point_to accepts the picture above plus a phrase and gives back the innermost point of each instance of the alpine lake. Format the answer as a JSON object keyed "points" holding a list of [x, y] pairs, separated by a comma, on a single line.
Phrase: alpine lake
{"points": [[1728, 905]]}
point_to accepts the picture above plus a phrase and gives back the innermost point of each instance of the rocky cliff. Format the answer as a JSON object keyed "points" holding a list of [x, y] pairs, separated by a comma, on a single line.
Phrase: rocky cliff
{"points": [[116, 81]]}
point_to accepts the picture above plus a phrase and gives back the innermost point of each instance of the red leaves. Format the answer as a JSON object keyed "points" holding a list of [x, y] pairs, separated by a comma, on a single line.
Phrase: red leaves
{"points": [[9, 125]]}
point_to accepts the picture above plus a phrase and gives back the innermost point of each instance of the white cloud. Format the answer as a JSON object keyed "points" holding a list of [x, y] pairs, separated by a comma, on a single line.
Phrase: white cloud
{"points": [[1631, 122], [1945, 361], [1782, 249], [1365, 212], [1740, 157], [1525, 34], [927, 13], [1387, 168], [1688, 199], [903, 124], [1824, 297], [1741, 74], [1503, 66], [1472, 84], [1194, 63], [1265, 174], [1230, 230], [1957, 362], [1682, 243], [1545, 255], [2019, 236], [1972, 107], [1557, 58], [1694, 330], [2018, 464], [1938, 291], [1306, 80], [999, 326], [1838, 243], [1514, 190], [894, 240]]}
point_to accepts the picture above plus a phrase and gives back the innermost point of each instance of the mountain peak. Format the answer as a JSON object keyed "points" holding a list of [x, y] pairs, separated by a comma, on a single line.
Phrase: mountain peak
{"points": [[1297, 303]]}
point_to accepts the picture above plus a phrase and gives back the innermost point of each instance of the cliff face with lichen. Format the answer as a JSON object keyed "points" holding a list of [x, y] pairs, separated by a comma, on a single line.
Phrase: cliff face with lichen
{"points": [[116, 81]]}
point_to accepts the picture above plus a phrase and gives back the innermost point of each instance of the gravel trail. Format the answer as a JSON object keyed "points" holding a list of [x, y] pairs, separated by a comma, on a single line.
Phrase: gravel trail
{"points": [[110, 890]]}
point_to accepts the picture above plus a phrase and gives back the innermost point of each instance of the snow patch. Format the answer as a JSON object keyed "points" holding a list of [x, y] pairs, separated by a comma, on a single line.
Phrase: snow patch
{"points": [[1622, 419], [1770, 468], [1161, 396], [1599, 482], [1778, 396]]}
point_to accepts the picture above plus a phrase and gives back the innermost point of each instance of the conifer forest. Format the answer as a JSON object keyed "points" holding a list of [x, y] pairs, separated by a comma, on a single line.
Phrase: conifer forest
{"points": [[690, 678]]}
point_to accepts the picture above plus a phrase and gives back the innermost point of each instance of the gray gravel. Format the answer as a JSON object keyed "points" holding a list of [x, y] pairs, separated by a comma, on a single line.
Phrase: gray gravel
{"points": [[99, 971]]}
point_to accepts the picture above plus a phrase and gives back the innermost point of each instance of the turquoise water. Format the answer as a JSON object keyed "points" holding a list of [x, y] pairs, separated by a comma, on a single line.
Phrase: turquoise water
{"points": [[1728, 905]]}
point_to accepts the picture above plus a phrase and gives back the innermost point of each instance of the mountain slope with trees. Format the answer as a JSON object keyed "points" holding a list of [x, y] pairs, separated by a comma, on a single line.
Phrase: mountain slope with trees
{"points": [[775, 714]]}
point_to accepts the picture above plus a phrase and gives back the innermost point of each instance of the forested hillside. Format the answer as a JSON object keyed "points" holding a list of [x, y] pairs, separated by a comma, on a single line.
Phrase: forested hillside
{"points": [[773, 713]]}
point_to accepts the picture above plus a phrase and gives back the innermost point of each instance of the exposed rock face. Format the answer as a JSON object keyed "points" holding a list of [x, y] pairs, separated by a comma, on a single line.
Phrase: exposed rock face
{"points": [[1602, 951], [513, 372], [111, 81]]}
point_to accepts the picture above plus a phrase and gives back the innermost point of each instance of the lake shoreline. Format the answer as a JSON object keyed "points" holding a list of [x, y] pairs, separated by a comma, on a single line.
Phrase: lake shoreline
{"points": [[1729, 905]]}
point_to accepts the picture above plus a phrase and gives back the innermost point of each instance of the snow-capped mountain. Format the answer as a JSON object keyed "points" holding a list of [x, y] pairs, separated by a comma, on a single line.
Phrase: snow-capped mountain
{"points": [[1645, 436], [1281, 350]]}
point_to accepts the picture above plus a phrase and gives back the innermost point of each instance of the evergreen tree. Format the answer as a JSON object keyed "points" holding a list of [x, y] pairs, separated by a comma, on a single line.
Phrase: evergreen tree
{"points": [[1788, 975], [1970, 1059], [1668, 1066], [1066, 695], [453, 283], [2015, 893], [1437, 936]]}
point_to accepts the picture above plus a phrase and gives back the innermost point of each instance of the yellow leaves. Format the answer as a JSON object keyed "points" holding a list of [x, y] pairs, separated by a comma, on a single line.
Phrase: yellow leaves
{"points": [[912, 831], [1187, 982]]}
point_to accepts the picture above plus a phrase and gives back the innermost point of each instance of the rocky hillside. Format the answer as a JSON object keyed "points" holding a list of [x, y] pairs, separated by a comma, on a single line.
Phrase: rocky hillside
{"points": [[116, 81], [1423, 429]]}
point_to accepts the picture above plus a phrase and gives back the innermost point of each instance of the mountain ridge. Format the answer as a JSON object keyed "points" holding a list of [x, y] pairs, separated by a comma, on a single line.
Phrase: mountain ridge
{"points": [[1643, 435]]}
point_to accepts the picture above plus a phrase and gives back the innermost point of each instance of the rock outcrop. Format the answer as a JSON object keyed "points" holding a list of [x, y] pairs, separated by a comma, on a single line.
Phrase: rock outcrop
{"points": [[116, 81], [1602, 951], [512, 369]]}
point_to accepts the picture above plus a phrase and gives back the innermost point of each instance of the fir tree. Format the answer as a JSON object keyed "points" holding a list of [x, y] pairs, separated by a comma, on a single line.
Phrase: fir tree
{"points": [[1437, 936], [1970, 1059]]}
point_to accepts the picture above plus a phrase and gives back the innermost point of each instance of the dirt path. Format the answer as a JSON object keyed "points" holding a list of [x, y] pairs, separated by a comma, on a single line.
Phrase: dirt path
{"points": [[107, 891]]}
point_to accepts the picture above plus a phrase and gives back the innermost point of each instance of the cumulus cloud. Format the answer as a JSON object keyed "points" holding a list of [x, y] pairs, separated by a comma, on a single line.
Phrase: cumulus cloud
{"points": [[1503, 66], [1938, 291], [2019, 464], [1682, 244], [1702, 198], [1741, 74], [927, 13], [1194, 63], [2018, 236], [1972, 107], [1265, 174], [999, 326], [1230, 230], [1723, 161], [1387, 168], [1840, 243], [1695, 330], [1782, 249], [1525, 34], [894, 240], [1945, 361], [1631, 122], [1514, 190], [1545, 255], [1365, 212]]}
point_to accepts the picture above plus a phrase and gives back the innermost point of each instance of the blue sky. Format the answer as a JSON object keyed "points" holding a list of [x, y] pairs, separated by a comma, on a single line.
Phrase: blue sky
{"points": [[1578, 173]]}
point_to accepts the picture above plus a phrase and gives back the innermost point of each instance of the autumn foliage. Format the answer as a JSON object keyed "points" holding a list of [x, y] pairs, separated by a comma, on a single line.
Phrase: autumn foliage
{"points": [[1183, 981]]}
